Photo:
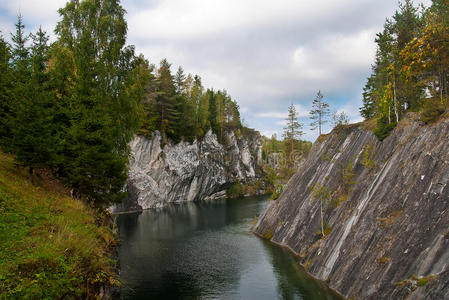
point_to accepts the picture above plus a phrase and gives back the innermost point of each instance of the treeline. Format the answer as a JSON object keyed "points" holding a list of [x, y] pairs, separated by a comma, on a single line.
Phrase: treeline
{"points": [[73, 105], [411, 68], [182, 109]]}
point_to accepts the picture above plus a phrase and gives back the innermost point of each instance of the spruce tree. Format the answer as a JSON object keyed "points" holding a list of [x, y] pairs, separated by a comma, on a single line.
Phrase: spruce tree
{"points": [[5, 93], [34, 132], [166, 101], [105, 89], [292, 133]]}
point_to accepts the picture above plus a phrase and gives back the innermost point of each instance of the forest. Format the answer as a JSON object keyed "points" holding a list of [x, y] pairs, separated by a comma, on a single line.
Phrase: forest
{"points": [[73, 105], [411, 68]]}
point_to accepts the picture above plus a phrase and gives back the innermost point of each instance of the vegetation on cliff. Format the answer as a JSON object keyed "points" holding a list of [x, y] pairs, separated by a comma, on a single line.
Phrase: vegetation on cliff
{"points": [[52, 246], [411, 68], [73, 105], [180, 108]]}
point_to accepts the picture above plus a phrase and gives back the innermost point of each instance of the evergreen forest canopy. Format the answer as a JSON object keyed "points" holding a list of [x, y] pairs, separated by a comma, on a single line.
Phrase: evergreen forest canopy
{"points": [[411, 68], [72, 106]]}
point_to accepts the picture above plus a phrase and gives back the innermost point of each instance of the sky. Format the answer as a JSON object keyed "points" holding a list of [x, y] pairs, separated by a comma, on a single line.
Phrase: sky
{"points": [[267, 54]]}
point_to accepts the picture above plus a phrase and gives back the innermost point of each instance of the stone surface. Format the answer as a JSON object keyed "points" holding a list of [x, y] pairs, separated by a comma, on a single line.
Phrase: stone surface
{"points": [[201, 170], [392, 227]]}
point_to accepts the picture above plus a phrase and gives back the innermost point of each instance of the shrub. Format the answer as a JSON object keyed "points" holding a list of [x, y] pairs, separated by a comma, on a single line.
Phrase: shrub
{"points": [[367, 162], [383, 128], [431, 110]]}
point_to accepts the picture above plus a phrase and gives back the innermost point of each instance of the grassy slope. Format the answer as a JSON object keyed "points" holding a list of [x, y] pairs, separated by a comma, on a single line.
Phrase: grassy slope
{"points": [[50, 245]]}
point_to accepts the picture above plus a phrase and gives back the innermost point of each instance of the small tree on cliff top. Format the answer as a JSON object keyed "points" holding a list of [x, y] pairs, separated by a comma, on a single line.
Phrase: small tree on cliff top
{"points": [[319, 113]]}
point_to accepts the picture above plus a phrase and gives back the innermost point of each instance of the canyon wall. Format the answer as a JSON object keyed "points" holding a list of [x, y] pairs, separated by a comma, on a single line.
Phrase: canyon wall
{"points": [[385, 212], [185, 171]]}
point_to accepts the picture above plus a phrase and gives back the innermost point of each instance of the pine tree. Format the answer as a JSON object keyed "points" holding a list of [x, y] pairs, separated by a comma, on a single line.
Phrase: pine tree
{"points": [[292, 133], [319, 113]]}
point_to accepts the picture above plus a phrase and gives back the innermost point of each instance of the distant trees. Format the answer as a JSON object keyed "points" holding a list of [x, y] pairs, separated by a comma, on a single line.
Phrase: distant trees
{"points": [[182, 109], [319, 112], [292, 133]]}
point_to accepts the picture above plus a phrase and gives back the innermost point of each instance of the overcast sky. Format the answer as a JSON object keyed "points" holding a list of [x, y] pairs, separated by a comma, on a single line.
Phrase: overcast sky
{"points": [[266, 53]]}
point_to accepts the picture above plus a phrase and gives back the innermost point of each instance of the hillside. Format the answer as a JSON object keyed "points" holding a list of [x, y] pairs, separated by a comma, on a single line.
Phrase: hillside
{"points": [[52, 246], [385, 212]]}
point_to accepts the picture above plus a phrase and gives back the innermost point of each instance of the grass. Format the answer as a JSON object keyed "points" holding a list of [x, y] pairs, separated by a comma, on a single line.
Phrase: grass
{"points": [[51, 246]]}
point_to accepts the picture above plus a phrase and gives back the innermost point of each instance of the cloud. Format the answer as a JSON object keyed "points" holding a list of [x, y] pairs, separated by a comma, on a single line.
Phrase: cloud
{"points": [[266, 53], [334, 55], [38, 12], [300, 110], [179, 19]]}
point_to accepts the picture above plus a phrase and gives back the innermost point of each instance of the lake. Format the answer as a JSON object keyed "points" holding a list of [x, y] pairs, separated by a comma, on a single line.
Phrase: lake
{"points": [[207, 251]]}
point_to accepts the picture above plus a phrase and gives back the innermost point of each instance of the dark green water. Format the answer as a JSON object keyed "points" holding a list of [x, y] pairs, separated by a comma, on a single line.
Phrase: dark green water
{"points": [[206, 251]]}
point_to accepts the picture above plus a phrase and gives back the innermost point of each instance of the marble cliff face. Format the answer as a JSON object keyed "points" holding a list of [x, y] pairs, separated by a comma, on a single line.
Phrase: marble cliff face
{"points": [[188, 171], [388, 220]]}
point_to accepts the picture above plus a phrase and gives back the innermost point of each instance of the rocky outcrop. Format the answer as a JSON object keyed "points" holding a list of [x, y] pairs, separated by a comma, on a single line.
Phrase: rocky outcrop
{"points": [[188, 171], [387, 214]]}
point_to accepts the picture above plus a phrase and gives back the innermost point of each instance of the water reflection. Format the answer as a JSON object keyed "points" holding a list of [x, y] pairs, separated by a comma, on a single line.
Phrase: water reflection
{"points": [[205, 251]]}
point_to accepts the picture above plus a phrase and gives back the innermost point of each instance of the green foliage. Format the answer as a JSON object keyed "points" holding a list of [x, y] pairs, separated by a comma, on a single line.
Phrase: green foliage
{"points": [[319, 113], [268, 234], [327, 229], [51, 247], [277, 190], [322, 194], [367, 161], [236, 190], [432, 109], [340, 119], [411, 70], [182, 109], [74, 106], [422, 281], [348, 177], [292, 133], [5, 93], [383, 128]]}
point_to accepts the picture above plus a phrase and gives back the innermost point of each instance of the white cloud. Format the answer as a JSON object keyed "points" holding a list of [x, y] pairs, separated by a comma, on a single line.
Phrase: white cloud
{"points": [[39, 12], [300, 110], [334, 55], [180, 19]]}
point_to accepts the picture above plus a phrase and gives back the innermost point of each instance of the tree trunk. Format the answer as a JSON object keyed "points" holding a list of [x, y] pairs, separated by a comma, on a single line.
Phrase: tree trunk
{"points": [[319, 124], [322, 222], [395, 101]]}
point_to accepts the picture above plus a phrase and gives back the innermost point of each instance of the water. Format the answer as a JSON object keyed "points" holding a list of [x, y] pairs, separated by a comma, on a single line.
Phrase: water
{"points": [[206, 251]]}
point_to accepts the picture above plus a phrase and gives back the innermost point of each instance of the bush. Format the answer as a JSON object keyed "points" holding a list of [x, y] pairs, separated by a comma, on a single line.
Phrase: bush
{"points": [[236, 190], [383, 128], [431, 110]]}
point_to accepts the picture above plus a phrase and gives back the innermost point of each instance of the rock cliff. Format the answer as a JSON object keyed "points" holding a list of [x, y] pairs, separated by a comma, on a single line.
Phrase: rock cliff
{"points": [[188, 171], [386, 211]]}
